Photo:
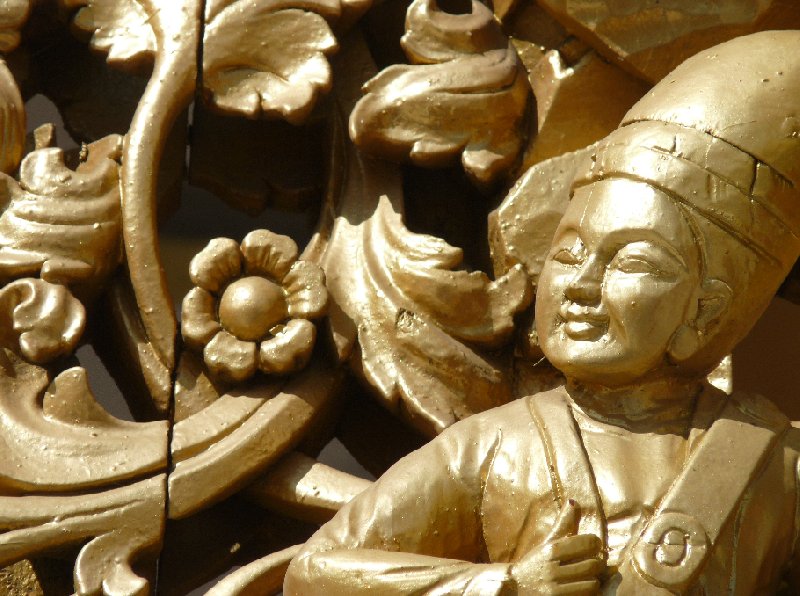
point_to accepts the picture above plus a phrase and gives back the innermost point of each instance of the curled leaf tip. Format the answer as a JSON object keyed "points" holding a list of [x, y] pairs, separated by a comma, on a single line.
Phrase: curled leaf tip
{"points": [[46, 320], [464, 95]]}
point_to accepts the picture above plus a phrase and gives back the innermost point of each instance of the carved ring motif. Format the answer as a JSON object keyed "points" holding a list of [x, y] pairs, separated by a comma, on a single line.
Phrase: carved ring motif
{"points": [[672, 550]]}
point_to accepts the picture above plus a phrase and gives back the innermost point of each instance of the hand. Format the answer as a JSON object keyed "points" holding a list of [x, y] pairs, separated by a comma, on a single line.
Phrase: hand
{"points": [[566, 563]]}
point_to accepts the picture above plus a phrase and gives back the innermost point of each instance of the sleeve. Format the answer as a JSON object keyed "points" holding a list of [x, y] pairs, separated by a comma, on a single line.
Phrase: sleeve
{"points": [[417, 530]]}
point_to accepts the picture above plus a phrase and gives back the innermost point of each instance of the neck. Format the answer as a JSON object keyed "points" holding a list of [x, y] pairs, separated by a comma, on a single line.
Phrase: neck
{"points": [[665, 405]]}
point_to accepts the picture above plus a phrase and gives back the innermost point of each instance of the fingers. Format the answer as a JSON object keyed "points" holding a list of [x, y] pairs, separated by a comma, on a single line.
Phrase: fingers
{"points": [[587, 569], [566, 522], [584, 588], [575, 548]]}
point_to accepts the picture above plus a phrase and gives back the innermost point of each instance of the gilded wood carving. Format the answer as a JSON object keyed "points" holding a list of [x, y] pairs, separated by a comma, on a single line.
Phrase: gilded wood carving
{"points": [[442, 148]]}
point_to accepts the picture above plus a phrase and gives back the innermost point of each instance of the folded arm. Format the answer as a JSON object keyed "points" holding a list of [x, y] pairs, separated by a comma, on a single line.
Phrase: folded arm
{"points": [[346, 572], [417, 530]]}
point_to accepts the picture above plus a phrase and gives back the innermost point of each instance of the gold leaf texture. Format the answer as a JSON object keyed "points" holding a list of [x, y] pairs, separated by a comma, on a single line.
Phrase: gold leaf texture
{"points": [[465, 95], [119, 28], [268, 57]]}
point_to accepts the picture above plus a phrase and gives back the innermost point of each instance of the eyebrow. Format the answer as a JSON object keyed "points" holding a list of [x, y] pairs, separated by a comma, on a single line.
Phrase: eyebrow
{"points": [[644, 235], [647, 235]]}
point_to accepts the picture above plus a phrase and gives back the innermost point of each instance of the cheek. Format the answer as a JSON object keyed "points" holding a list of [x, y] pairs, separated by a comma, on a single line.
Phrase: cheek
{"points": [[549, 295], [643, 305]]}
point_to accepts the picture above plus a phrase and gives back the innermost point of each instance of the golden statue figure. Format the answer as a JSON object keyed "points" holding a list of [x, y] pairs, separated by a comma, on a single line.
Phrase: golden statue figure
{"points": [[255, 252], [636, 476]]}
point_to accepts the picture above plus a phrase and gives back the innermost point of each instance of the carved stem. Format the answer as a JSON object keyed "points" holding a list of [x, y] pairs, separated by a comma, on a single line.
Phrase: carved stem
{"points": [[169, 91]]}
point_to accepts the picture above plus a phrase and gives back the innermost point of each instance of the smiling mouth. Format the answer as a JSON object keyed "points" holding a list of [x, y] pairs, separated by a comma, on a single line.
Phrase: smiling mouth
{"points": [[582, 324], [584, 330]]}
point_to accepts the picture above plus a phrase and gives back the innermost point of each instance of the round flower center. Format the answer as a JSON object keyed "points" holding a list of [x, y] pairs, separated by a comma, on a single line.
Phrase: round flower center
{"points": [[251, 306]]}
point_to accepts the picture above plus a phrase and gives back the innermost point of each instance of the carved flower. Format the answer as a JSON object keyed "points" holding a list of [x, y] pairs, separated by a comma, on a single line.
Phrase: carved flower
{"points": [[251, 305]]}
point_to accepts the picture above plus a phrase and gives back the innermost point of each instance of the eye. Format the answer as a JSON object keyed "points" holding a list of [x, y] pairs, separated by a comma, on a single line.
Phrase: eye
{"points": [[635, 264], [646, 258]]}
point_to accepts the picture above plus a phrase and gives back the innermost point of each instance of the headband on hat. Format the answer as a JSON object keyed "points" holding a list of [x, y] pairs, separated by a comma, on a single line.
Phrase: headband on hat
{"points": [[724, 184], [721, 135]]}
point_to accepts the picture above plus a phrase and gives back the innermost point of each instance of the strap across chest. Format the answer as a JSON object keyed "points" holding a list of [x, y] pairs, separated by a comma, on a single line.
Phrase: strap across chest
{"points": [[669, 554]]}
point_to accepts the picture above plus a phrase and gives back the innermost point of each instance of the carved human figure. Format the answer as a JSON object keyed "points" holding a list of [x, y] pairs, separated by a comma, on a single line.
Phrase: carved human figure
{"points": [[636, 476]]}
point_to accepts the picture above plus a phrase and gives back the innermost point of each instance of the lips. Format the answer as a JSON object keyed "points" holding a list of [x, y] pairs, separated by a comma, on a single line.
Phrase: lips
{"points": [[582, 323]]}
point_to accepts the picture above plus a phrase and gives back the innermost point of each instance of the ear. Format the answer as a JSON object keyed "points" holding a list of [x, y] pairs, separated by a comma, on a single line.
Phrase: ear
{"points": [[715, 297], [714, 300]]}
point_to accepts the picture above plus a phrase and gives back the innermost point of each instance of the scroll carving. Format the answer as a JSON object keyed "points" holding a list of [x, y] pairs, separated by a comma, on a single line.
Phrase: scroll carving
{"points": [[464, 71], [376, 329], [60, 223], [279, 71], [44, 320], [121, 30]]}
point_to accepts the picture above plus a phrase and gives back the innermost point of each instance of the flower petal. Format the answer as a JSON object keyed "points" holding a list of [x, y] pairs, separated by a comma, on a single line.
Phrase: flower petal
{"points": [[266, 253], [216, 264], [290, 350], [229, 358], [198, 318], [306, 294]]}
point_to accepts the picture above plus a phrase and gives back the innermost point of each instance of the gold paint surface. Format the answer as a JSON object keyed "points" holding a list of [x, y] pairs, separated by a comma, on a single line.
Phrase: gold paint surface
{"points": [[336, 385], [636, 475]]}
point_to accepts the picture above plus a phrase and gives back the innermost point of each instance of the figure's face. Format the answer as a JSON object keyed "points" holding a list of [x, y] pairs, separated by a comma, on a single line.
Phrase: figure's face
{"points": [[621, 277]]}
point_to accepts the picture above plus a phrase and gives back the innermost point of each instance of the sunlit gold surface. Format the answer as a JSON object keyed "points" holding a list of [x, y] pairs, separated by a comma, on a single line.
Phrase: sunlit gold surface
{"points": [[251, 306], [366, 142], [636, 476]]}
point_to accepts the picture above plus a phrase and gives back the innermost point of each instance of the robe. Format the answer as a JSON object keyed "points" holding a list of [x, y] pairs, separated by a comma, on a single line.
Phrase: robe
{"points": [[451, 517]]}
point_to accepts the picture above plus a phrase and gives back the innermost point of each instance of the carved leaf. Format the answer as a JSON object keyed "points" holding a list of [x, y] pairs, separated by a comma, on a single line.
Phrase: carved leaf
{"points": [[47, 321], [13, 14], [120, 28], [419, 317], [421, 270], [425, 328], [59, 222], [267, 57], [465, 95], [117, 526]]}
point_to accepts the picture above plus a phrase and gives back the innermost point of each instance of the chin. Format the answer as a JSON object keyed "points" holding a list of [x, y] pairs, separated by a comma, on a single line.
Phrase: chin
{"points": [[599, 361]]}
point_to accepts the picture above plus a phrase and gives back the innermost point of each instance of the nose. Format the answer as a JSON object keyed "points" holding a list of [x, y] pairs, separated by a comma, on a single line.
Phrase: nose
{"points": [[586, 285]]}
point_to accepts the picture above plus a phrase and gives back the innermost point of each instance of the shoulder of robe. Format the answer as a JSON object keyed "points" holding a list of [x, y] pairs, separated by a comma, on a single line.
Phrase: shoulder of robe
{"points": [[511, 418], [760, 408], [765, 411]]}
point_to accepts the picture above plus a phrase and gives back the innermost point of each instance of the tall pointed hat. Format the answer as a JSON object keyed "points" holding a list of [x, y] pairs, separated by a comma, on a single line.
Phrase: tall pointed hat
{"points": [[721, 135]]}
